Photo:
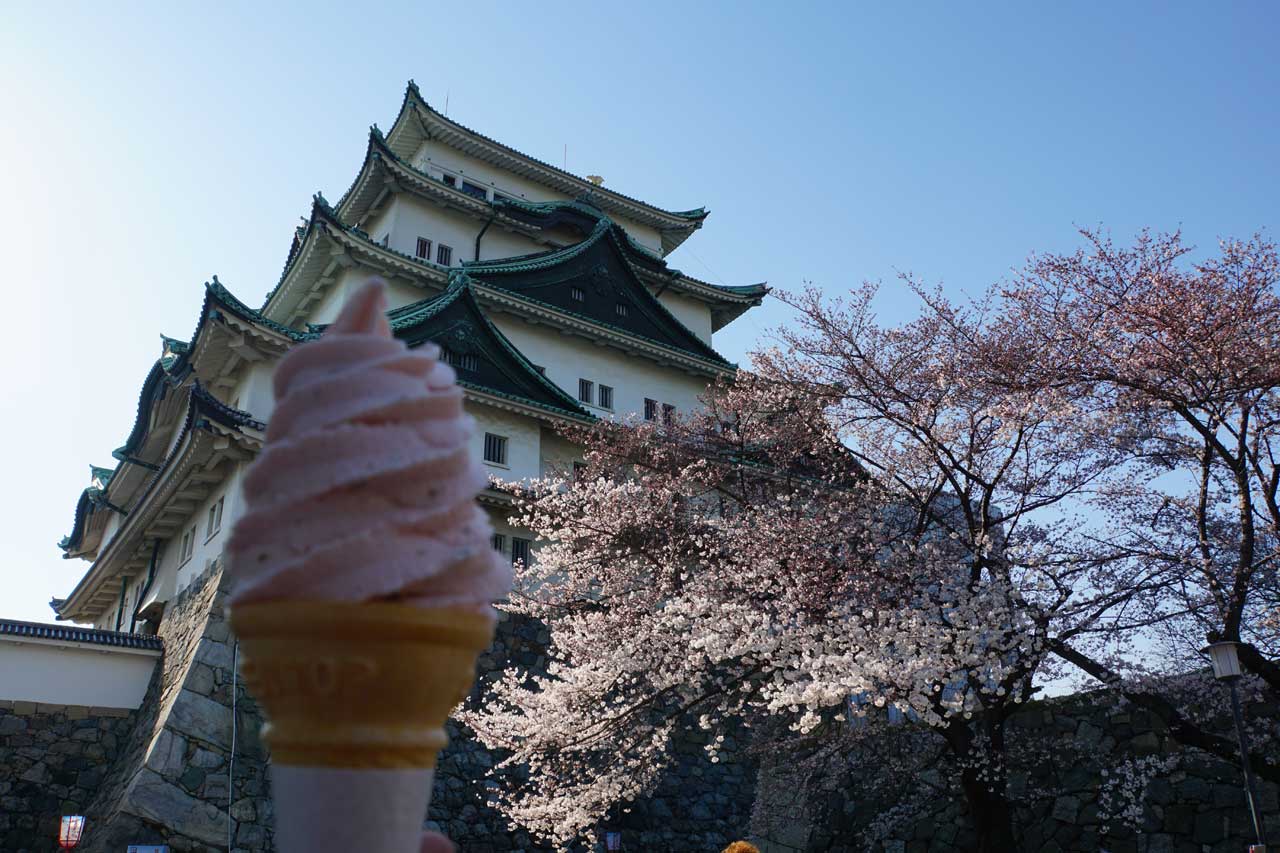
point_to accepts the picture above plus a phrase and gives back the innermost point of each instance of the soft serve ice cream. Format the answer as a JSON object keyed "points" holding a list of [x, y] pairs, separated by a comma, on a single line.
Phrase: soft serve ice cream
{"points": [[362, 582], [365, 490]]}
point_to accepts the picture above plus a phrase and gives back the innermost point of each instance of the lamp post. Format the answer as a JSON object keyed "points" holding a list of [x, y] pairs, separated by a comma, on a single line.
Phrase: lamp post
{"points": [[1225, 658], [70, 831]]}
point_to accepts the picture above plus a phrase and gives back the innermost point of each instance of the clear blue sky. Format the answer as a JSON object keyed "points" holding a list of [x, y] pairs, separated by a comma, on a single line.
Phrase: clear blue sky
{"points": [[144, 149]]}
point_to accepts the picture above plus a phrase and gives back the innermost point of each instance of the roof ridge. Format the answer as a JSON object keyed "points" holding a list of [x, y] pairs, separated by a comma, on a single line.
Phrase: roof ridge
{"points": [[97, 636], [695, 216]]}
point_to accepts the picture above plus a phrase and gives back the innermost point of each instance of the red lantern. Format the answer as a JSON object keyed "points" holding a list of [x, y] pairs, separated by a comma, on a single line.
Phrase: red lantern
{"points": [[71, 830]]}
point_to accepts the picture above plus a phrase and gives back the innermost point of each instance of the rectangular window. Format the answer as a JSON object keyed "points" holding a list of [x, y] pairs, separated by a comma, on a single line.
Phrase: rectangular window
{"points": [[449, 180], [188, 546], [475, 190], [499, 543], [497, 196], [577, 294], [621, 309], [495, 448], [460, 361], [650, 409], [215, 518], [606, 396], [668, 414], [519, 550], [586, 390], [444, 255], [424, 249]]}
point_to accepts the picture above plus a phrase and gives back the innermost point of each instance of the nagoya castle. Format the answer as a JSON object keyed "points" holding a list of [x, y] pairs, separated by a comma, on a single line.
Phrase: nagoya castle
{"points": [[549, 295]]}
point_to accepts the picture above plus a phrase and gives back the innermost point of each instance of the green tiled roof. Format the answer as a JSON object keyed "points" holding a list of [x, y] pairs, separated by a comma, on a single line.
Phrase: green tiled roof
{"points": [[694, 217]]}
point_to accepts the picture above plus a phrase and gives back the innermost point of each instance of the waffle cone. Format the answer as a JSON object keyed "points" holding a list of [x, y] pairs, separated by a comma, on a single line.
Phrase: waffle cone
{"points": [[357, 685]]}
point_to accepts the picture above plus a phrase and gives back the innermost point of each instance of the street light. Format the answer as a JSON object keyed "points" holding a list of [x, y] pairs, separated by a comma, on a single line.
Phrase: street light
{"points": [[70, 831], [1225, 657]]}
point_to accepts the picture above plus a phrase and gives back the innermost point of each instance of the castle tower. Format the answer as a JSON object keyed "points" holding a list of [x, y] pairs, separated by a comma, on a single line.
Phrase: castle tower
{"points": [[547, 292]]}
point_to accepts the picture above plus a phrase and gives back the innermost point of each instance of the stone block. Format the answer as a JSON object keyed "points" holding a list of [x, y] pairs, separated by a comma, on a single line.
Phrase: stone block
{"points": [[24, 709], [153, 799], [77, 712], [1065, 809], [1147, 743], [215, 654], [191, 779], [244, 810], [12, 725], [1210, 827], [200, 679], [200, 718], [109, 712], [167, 754]]}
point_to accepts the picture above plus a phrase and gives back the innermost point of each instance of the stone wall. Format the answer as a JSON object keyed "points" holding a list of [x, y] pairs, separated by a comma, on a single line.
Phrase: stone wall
{"points": [[1085, 761], [193, 772], [52, 761], [164, 774], [698, 806]]}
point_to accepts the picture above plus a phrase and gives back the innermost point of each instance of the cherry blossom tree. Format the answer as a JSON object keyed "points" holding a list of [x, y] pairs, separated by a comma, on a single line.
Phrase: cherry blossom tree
{"points": [[929, 516]]}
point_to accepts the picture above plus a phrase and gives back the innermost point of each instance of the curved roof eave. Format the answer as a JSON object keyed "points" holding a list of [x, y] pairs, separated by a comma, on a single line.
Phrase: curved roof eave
{"points": [[203, 409], [675, 225]]}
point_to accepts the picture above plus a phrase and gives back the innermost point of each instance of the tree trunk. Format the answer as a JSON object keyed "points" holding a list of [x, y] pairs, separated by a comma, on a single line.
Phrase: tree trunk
{"points": [[992, 817], [988, 808]]}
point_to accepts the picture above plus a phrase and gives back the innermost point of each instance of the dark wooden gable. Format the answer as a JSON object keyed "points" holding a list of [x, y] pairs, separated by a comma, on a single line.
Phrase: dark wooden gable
{"points": [[482, 356], [593, 280]]}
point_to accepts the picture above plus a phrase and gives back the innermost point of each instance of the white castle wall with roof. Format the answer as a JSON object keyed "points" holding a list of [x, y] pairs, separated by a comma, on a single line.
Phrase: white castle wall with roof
{"points": [[433, 157], [633, 378], [693, 313], [523, 434], [404, 219], [326, 310], [57, 672], [173, 573]]}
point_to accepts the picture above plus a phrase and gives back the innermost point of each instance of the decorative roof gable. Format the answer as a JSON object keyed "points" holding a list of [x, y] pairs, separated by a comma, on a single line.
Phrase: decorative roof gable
{"points": [[485, 361], [594, 280]]}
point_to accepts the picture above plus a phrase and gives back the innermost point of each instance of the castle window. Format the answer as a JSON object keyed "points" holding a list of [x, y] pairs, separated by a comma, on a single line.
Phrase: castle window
{"points": [[586, 390], [577, 294], [449, 180], [519, 550], [606, 397], [188, 546], [424, 248], [497, 196], [668, 414], [469, 362], [621, 309], [444, 255], [215, 519], [495, 448], [475, 190], [499, 543], [650, 409]]}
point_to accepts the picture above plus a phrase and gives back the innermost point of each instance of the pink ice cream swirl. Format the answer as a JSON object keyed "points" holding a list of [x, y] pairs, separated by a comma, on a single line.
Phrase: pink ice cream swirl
{"points": [[365, 490]]}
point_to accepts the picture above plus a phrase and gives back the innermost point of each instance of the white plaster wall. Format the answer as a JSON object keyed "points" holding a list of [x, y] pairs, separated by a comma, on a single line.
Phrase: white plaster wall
{"points": [[330, 305], [524, 451], [433, 157], [567, 359], [253, 392], [73, 674], [694, 313], [558, 453]]}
